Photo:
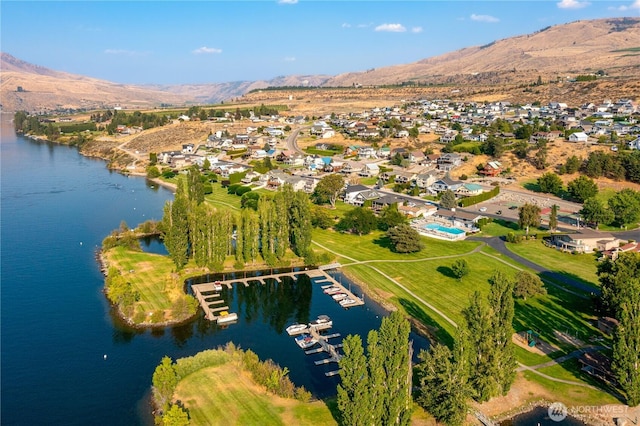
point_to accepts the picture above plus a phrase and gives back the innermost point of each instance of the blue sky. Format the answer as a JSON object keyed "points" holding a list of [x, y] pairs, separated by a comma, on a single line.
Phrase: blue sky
{"points": [[171, 42]]}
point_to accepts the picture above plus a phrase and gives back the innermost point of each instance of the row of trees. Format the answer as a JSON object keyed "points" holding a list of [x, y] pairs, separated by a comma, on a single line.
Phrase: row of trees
{"points": [[375, 386], [191, 229], [481, 364], [620, 298], [623, 209]]}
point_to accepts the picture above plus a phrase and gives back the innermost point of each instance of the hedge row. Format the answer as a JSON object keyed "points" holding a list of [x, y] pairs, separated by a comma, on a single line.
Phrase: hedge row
{"points": [[469, 201]]}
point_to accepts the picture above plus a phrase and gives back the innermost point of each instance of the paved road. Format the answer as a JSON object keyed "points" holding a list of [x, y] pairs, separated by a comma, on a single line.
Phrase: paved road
{"points": [[498, 244], [292, 139]]}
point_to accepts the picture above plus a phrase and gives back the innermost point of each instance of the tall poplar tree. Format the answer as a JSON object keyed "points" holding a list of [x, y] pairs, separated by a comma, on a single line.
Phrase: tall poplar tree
{"points": [[268, 235], [621, 290], [553, 218], [353, 391], [478, 321], [376, 387], [176, 227], [300, 224], [251, 235], [501, 303], [443, 381]]}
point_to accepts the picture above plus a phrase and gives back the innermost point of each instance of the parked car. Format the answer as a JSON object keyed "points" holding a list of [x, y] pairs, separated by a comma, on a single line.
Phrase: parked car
{"points": [[499, 212], [513, 207], [483, 209]]}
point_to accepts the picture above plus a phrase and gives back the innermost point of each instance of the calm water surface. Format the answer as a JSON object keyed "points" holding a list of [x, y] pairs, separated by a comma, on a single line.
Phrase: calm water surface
{"points": [[56, 325]]}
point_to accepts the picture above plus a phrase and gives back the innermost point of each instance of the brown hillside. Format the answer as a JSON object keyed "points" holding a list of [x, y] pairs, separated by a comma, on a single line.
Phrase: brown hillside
{"points": [[606, 44]]}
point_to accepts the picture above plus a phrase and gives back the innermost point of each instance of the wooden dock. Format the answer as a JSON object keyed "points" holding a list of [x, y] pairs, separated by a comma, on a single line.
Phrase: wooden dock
{"points": [[319, 274], [325, 346]]}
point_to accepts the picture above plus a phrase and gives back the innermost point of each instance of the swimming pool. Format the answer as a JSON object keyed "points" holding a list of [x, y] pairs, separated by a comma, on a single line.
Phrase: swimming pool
{"points": [[438, 227]]}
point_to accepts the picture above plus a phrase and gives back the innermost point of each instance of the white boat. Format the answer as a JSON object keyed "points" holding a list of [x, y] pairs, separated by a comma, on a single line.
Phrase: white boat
{"points": [[324, 287], [339, 296], [296, 328], [322, 321], [226, 317], [305, 341], [217, 286], [347, 302], [332, 290]]}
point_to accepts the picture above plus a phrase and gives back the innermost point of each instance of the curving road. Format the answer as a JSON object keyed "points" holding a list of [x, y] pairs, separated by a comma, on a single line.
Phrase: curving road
{"points": [[499, 245], [292, 144]]}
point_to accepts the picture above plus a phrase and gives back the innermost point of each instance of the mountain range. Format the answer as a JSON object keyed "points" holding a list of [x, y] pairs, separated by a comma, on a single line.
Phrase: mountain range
{"points": [[609, 46]]}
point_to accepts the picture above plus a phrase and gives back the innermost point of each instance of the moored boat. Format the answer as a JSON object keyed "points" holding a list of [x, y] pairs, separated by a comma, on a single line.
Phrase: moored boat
{"points": [[332, 290], [217, 286], [226, 317], [305, 341], [339, 296], [346, 302], [296, 328], [322, 321]]}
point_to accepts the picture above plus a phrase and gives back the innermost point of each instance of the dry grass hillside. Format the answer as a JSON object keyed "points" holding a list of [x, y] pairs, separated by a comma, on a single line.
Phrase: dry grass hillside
{"points": [[603, 44], [501, 70]]}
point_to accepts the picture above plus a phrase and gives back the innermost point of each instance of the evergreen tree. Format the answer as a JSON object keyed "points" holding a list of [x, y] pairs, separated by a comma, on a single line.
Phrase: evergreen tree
{"points": [[164, 382], [553, 218], [405, 239], [448, 199]]}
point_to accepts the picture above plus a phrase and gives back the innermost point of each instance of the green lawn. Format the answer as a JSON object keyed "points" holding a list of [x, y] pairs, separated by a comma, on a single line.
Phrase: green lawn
{"points": [[582, 267], [149, 274], [220, 198], [225, 395]]}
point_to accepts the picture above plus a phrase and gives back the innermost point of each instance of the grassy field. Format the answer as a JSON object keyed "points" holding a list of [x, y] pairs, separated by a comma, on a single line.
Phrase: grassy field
{"points": [[226, 395], [150, 275], [578, 266], [570, 395]]}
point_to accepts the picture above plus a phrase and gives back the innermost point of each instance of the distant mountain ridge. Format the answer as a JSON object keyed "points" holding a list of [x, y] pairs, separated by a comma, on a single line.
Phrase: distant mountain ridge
{"points": [[611, 44]]}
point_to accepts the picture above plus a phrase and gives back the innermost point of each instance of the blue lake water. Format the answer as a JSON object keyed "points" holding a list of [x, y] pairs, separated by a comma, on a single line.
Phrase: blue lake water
{"points": [[56, 325]]}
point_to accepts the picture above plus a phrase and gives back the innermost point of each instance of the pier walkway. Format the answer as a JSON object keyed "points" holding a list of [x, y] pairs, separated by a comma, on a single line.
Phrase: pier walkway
{"points": [[206, 300], [327, 347]]}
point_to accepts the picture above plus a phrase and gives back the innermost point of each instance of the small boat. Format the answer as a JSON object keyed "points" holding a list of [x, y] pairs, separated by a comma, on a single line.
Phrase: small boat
{"points": [[322, 321], [324, 287], [305, 341], [347, 302], [296, 328], [217, 286], [339, 296], [332, 290], [225, 317]]}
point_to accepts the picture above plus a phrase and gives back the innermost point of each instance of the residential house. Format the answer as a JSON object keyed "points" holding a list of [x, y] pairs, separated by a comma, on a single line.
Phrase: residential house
{"points": [[469, 189], [634, 144], [425, 180], [369, 170], [492, 168], [404, 177], [459, 219], [578, 137], [357, 195], [449, 161], [585, 241], [416, 156], [446, 183], [417, 210]]}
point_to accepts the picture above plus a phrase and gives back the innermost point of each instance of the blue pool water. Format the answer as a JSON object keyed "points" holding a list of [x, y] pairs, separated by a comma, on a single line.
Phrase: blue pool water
{"points": [[438, 227]]}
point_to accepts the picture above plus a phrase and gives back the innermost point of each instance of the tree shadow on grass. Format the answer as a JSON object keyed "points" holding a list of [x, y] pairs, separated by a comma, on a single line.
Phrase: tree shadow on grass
{"points": [[434, 329], [384, 242], [446, 271], [507, 224]]}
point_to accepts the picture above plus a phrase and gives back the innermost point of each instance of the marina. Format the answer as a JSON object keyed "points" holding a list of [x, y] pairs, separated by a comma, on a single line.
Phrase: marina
{"points": [[211, 290]]}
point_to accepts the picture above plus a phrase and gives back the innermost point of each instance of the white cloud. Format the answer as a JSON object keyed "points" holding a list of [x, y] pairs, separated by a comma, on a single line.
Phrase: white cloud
{"points": [[392, 28], [416, 30], [205, 49], [484, 18], [287, 1], [572, 4], [624, 8], [289, 58], [346, 25], [124, 52]]}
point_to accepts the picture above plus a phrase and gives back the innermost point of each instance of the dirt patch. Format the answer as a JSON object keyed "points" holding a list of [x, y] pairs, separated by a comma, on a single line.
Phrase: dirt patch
{"points": [[568, 339], [521, 397]]}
